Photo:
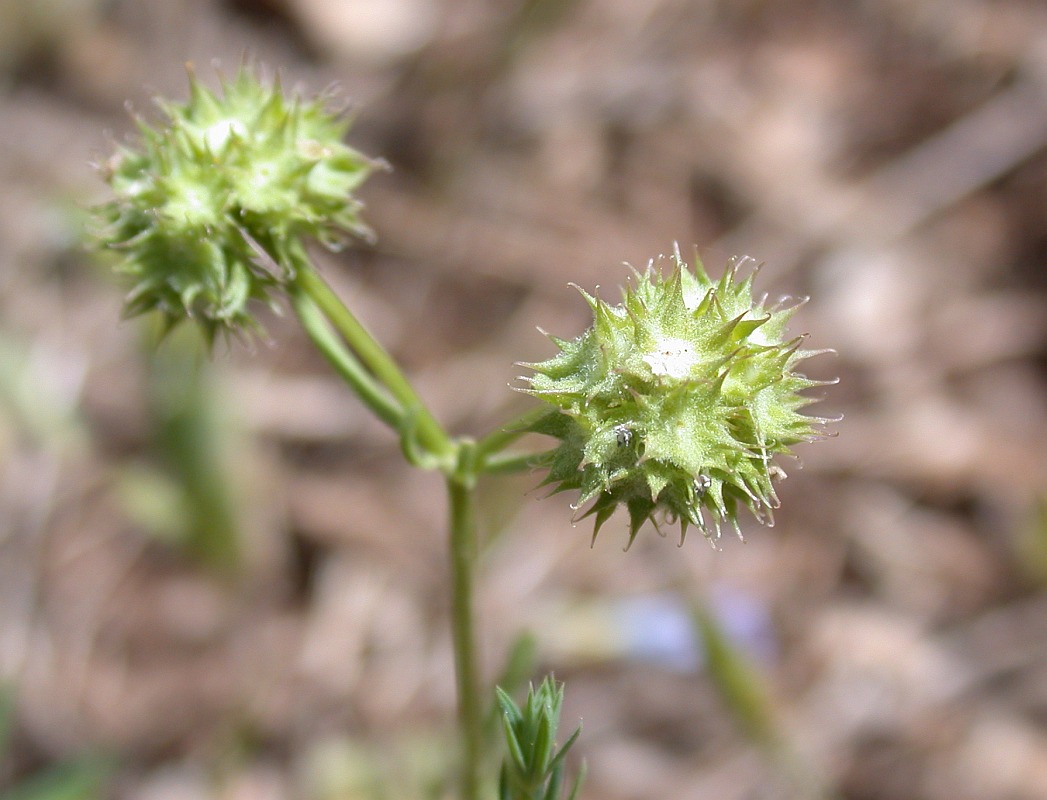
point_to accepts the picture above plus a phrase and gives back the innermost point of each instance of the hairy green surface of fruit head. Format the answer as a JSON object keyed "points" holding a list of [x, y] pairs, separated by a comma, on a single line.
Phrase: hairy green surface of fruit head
{"points": [[675, 402], [213, 206]]}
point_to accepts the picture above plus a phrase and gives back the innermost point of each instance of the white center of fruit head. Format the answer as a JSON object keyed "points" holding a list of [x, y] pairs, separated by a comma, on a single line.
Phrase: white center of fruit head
{"points": [[220, 132], [673, 358]]}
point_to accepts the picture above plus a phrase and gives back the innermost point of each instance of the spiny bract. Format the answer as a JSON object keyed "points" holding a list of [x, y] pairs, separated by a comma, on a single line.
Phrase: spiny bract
{"points": [[674, 402], [212, 208]]}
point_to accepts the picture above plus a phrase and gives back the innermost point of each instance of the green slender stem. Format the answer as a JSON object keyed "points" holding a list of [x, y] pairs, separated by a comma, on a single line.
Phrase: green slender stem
{"points": [[427, 431], [498, 440], [463, 547], [508, 463], [399, 405], [344, 363]]}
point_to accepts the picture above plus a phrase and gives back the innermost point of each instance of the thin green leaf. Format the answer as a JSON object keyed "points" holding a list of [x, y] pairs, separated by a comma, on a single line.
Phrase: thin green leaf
{"points": [[542, 748], [567, 746], [514, 745], [552, 789]]}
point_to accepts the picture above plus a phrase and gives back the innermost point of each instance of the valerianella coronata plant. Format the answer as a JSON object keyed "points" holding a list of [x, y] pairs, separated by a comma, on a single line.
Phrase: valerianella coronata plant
{"points": [[213, 206], [675, 402]]}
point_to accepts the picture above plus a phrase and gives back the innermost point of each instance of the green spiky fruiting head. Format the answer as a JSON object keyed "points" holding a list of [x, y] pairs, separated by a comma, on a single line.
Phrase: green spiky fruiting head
{"points": [[675, 402], [213, 206]]}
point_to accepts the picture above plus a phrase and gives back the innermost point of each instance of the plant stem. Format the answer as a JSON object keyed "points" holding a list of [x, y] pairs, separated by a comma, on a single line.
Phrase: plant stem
{"points": [[463, 546], [392, 398], [498, 440], [508, 463], [344, 363], [427, 430]]}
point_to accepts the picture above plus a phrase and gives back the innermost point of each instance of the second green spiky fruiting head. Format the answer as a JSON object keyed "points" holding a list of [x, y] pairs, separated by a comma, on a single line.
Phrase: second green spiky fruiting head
{"points": [[675, 402], [213, 206]]}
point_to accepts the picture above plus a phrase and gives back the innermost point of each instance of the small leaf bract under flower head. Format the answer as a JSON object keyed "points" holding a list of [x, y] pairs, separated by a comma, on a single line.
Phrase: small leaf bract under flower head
{"points": [[213, 206], [674, 403]]}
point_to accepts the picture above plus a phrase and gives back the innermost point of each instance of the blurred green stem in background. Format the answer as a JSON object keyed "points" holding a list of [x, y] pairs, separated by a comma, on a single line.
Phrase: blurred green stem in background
{"points": [[193, 437], [192, 493]]}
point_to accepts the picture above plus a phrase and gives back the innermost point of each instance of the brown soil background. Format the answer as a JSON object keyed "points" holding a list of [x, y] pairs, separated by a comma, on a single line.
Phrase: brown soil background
{"points": [[886, 157]]}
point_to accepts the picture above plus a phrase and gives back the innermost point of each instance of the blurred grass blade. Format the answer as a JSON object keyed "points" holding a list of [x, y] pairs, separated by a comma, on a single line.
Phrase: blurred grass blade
{"points": [[745, 692], [84, 779], [1032, 545], [580, 779], [7, 717], [737, 681]]}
